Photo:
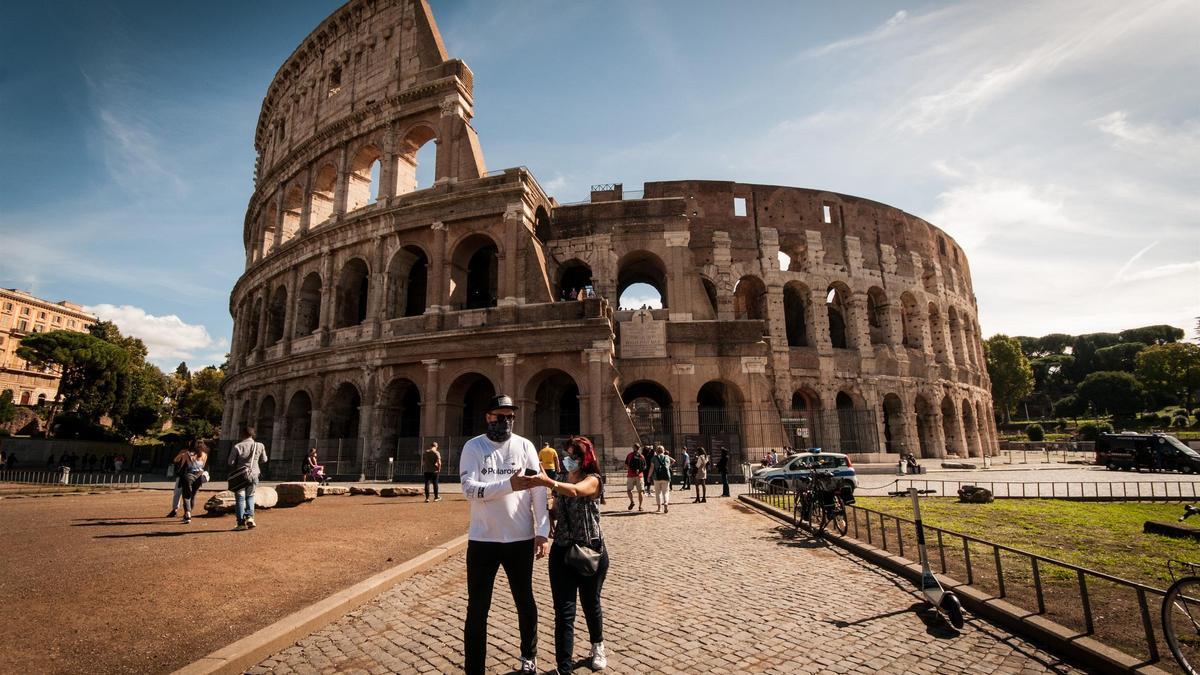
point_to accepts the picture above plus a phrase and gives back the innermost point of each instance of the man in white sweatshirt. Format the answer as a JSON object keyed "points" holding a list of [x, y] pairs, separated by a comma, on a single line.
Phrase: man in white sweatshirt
{"points": [[509, 527]]}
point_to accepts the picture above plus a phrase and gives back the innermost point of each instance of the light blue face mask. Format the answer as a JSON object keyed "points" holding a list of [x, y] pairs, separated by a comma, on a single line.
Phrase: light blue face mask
{"points": [[570, 463]]}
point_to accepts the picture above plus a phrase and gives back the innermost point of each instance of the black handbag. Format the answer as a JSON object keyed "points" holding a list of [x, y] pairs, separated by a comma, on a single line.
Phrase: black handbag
{"points": [[585, 560], [239, 478]]}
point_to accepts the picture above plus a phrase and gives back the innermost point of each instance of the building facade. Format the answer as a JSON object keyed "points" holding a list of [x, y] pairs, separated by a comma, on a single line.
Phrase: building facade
{"points": [[376, 314], [20, 315]]}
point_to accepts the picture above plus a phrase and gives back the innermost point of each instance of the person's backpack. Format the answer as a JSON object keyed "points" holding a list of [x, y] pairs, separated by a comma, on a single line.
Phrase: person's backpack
{"points": [[662, 469], [637, 463]]}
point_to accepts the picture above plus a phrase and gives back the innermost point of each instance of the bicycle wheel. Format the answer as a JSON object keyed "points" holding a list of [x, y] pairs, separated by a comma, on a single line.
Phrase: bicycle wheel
{"points": [[839, 518], [818, 517], [1181, 622]]}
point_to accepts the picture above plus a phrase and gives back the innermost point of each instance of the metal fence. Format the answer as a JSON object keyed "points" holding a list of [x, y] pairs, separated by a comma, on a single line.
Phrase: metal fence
{"points": [[72, 478], [1078, 490]]}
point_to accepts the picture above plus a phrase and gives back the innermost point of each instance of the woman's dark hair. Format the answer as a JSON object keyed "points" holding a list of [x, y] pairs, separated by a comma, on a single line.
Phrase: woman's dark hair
{"points": [[587, 453], [199, 447]]}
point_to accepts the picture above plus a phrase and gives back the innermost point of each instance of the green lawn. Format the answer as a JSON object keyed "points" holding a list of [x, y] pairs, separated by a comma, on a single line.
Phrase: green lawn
{"points": [[1104, 536]]}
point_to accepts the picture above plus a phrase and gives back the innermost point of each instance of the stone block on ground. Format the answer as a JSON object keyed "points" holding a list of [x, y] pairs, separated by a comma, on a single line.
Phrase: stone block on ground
{"points": [[364, 491], [324, 490], [399, 492], [221, 503], [293, 494], [265, 497], [1179, 530]]}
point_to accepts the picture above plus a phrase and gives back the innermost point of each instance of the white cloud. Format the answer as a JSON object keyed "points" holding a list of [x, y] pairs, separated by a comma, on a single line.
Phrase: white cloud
{"points": [[168, 338], [972, 212], [1151, 140], [875, 35]]}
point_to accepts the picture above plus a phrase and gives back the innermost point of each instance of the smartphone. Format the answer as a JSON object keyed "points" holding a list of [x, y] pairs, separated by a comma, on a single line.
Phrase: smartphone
{"points": [[531, 472]]}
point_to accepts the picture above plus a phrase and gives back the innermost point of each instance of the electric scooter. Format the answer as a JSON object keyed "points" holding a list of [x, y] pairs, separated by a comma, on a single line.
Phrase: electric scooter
{"points": [[944, 602]]}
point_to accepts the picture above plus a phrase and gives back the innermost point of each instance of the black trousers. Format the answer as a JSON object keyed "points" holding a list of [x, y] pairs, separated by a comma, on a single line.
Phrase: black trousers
{"points": [[565, 584], [484, 559], [431, 477]]}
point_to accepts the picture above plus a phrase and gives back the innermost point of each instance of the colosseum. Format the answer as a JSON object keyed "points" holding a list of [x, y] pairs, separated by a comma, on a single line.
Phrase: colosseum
{"points": [[377, 314]]}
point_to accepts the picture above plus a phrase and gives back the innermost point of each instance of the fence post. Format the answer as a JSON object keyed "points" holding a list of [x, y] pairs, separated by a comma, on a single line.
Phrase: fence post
{"points": [[1087, 602]]}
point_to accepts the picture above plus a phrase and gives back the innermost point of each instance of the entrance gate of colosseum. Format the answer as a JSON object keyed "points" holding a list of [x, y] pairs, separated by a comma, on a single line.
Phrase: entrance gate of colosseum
{"points": [[846, 431]]}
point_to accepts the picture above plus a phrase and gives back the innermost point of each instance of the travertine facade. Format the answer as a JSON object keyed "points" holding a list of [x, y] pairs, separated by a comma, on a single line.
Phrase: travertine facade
{"points": [[375, 312], [20, 315]]}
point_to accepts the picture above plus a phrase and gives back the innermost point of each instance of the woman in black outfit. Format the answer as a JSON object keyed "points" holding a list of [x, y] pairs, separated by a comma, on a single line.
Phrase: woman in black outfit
{"points": [[576, 520]]}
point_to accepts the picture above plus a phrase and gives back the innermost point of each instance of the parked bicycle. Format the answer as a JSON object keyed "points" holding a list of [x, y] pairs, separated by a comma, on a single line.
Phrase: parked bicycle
{"points": [[820, 501], [1181, 614]]}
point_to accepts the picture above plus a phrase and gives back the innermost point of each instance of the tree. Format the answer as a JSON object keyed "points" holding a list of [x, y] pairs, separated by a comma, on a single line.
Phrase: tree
{"points": [[7, 409], [1113, 392], [1009, 370], [91, 369], [1119, 356], [1152, 335], [1171, 369], [201, 399]]}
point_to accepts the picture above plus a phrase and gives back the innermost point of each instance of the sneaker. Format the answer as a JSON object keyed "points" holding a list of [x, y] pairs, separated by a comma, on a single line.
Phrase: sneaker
{"points": [[250, 524], [528, 665], [427, 500], [666, 508], [630, 507], [599, 658], [187, 518], [173, 513], [240, 527], [437, 499]]}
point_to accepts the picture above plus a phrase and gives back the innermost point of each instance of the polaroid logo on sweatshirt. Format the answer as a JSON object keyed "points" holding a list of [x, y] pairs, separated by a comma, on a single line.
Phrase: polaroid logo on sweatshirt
{"points": [[503, 471]]}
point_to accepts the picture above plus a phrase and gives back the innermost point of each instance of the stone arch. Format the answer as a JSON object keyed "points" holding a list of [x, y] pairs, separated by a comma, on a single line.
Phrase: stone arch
{"points": [[651, 410], [342, 414], [353, 287], [360, 189], [895, 437], [710, 291], [407, 283], [474, 272], [951, 427], [981, 428], [573, 275], [320, 200], [837, 305], [270, 216], [805, 399], [412, 153], [854, 422], [276, 315], [796, 299], [642, 267], [264, 424], [400, 417], [937, 333], [467, 399], [298, 423], [970, 430], [293, 205], [252, 330], [911, 321], [877, 315], [555, 397], [308, 305], [719, 407], [541, 225], [750, 298], [925, 419]]}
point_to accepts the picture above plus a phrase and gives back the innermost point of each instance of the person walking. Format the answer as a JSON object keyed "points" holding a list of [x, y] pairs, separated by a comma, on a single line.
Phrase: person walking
{"points": [[193, 477], [723, 469], [431, 468], [648, 456], [685, 469], [700, 471], [635, 470], [509, 529], [661, 470], [548, 457], [243, 476], [179, 466], [577, 523]]}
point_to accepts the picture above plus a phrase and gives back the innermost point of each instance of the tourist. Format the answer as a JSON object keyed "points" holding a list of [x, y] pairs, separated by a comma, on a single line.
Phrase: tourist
{"points": [[12, 461], [193, 477], [635, 470], [314, 469], [648, 455], [118, 462], [243, 477], [577, 523], [661, 469], [723, 469], [509, 528], [431, 467], [685, 469], [700, 475], [179, 467], [548, 456]]}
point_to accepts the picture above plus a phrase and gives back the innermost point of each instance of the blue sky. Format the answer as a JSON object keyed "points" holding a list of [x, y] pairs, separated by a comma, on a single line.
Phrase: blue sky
{"points": [[1059, 143]]}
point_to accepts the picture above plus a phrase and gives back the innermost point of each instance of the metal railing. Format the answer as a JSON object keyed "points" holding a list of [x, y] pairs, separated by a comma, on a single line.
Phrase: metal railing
{"points": [[1084, 490], [1076, 597], [72, 478], [1045, 456]]}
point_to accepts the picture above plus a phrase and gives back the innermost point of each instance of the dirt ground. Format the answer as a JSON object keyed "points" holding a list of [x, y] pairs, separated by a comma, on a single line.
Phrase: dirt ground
{"points": [[104, 583]]}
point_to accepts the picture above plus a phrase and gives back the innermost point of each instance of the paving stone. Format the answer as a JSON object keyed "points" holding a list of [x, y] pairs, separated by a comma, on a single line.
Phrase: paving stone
{"points": [[706, 588]]}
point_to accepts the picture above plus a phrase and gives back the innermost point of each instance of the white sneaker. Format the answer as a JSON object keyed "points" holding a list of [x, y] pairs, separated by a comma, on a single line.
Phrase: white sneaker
{"points": [[528, 665], [599, 658]]}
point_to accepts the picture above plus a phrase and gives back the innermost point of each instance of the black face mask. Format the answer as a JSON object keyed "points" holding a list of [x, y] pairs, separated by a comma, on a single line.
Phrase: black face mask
{"points": [[500, 430]]}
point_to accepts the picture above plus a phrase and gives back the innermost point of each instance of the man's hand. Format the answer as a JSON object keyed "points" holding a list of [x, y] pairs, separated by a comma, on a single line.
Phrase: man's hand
{"points": [[540, 547]]}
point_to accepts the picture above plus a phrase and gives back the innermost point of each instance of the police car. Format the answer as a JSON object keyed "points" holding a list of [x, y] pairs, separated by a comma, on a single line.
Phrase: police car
{"points": [[782, 476]]}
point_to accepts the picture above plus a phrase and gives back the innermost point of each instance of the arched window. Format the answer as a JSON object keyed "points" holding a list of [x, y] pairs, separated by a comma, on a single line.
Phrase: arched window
{"points": [[893, 424], [299, 419], [710, 291], [950, 427], [750, 299], [276, 315], [877, 315], [417, 162], [321, 201], [541, 221], [836, 306], [468, 398], [343, 415], [574, 276], [252, 329], [556, 404], [352, 291], [796, 297], [400, 418], [407, 280], [719, 408], [267, 243], [856, 425], [650, 409], [308, 305], [641, 280], [911, 321], [474, 273], [362, 185], [293, 204], [938, 332], [925, 429]]}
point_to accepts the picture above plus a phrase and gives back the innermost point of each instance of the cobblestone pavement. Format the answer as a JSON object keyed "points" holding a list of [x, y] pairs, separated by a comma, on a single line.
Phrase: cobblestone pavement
{"points": [[707, 588]]}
